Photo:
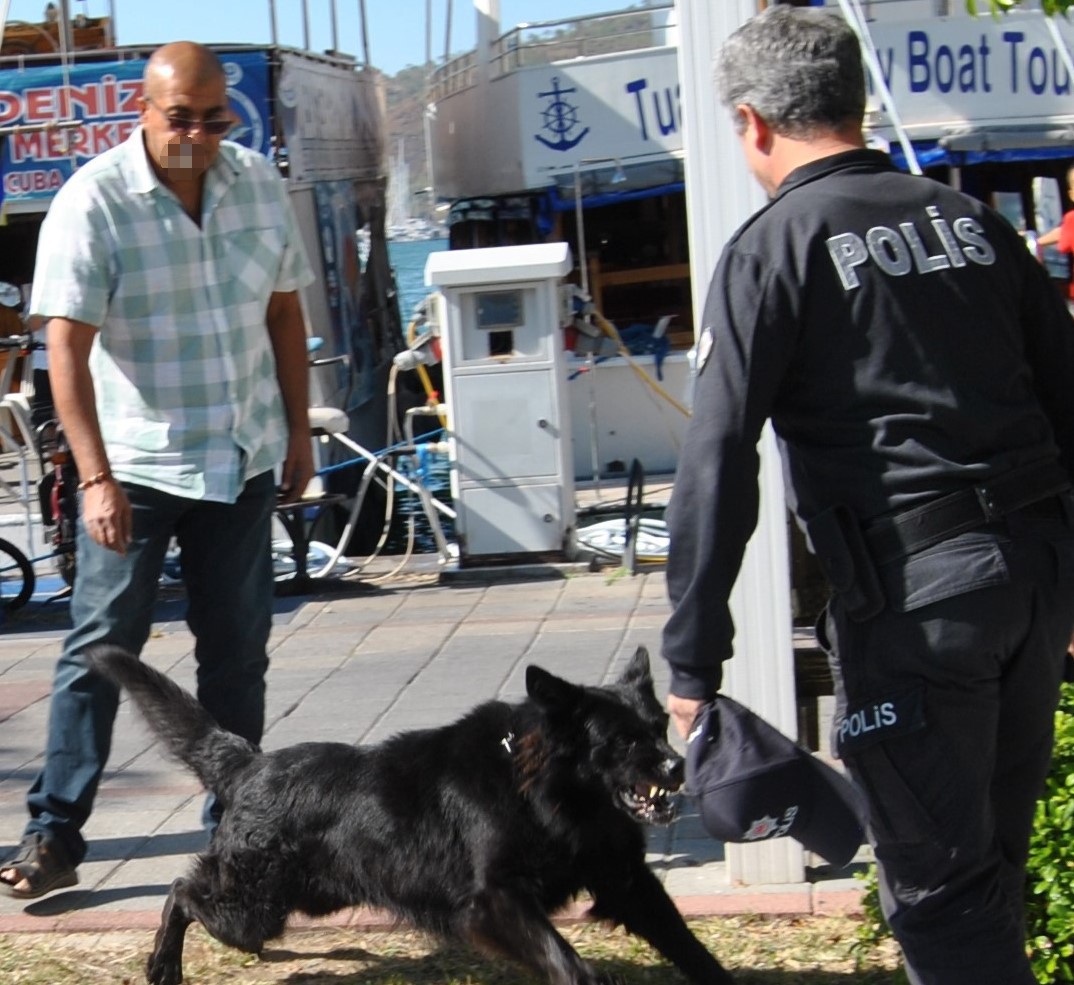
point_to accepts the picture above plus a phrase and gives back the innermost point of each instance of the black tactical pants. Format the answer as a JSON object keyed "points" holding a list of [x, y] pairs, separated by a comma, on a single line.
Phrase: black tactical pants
{"points": [[945, 713]]}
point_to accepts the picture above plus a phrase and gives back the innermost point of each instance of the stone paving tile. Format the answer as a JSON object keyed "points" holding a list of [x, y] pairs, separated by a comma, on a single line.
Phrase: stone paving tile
{"points": [[15, 696], [386, 638], [473, 627]]}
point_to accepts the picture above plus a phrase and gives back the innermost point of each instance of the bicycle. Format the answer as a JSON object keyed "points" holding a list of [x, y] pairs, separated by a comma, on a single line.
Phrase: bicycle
{"points": [[57, 493], [17, 578], [56, 490], [298, 560]]}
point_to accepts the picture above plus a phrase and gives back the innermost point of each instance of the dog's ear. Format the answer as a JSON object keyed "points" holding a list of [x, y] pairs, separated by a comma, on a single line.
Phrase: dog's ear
{"points": [[637, 673], [548, 691]]}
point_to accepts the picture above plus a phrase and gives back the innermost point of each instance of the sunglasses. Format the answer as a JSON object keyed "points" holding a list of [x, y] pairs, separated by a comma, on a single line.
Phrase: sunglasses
{"points": [[215, 125]]}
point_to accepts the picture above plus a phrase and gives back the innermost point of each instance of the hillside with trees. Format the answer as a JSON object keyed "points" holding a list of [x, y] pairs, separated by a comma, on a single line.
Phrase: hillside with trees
{"points": [[405, 99]]}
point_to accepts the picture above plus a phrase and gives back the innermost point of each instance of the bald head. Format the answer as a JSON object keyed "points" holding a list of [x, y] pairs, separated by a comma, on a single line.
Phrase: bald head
{"points": [[185, 112], [182, 64]]}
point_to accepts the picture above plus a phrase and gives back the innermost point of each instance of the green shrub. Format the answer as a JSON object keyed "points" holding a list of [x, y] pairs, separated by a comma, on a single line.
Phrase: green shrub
{"points": [[1050, 879], [872, 929], [1050, 886]]}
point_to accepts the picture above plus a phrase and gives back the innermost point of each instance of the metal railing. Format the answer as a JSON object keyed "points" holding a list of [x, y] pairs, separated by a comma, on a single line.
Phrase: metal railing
{"points": [[78, 39], [543, 42]]}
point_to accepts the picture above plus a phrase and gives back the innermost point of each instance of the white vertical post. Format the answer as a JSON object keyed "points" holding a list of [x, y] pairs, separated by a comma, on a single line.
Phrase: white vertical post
{"points": [[856, 19], [721, 194], [367, 59], [447, 33], [428, 34], [488, 30]]}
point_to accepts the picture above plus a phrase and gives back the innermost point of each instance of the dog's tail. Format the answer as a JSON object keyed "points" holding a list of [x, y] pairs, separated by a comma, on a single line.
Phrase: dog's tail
{"points": [[187, 730]]}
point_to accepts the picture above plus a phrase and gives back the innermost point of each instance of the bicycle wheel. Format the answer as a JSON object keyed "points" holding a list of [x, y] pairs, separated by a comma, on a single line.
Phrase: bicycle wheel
{"points": [[16, 577]]}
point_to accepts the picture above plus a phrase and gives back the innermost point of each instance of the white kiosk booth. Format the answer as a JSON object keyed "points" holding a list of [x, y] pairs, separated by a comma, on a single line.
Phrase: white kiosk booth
{"points": [[505, 382]]}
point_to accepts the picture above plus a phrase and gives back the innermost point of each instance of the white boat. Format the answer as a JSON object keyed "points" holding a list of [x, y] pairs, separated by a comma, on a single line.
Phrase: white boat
{"points": [[401, 225], [543, 117], [584, 110]]}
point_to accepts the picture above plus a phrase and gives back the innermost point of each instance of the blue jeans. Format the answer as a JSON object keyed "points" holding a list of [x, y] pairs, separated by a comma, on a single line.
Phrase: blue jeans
{"points": [[227, 570]]}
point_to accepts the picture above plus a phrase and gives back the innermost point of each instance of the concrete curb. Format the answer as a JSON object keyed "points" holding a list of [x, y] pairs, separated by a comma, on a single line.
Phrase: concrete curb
{"points": [[812, 900]]}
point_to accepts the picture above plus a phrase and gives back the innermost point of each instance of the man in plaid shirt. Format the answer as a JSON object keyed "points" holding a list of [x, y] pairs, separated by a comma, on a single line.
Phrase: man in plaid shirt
{"points": [[168, 268]]}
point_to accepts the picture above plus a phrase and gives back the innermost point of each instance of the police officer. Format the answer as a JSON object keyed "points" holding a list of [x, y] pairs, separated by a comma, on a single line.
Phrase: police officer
{"points": [[916, 366]]}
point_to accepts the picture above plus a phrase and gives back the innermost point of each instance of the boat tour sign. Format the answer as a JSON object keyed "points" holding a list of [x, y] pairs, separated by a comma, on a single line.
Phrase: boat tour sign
{"points": [[615, 107], [948, 77], [952, 73]]}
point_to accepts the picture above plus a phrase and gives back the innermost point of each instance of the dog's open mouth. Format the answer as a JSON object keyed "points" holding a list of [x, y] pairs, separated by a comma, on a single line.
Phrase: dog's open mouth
{"points": [[650, 804]]}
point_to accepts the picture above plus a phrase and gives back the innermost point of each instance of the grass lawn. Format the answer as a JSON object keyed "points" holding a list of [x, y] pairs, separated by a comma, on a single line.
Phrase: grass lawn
{"points": [[758, 950]]}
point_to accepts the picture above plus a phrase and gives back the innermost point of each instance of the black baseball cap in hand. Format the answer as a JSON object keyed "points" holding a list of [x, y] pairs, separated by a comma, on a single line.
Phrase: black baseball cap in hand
{"points": [[753, 783]]}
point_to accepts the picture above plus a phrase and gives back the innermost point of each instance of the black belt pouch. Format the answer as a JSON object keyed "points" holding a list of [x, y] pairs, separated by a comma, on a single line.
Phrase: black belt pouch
{"points": [[837, 540]]}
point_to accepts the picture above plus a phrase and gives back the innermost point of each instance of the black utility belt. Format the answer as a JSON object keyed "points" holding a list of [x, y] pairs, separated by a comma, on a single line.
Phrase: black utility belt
{"points": [[1035, 490]]}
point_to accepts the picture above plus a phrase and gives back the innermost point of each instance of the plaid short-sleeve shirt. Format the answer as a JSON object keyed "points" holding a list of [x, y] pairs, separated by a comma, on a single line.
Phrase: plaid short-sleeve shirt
{"points": [[182, 364]]}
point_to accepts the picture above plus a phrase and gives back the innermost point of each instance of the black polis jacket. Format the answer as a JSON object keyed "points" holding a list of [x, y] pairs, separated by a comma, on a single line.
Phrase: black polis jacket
{"points": [[904, 343]]}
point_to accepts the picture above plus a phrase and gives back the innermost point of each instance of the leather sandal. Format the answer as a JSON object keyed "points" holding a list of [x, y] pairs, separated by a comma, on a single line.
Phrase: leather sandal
{"points": [[42, 863]]}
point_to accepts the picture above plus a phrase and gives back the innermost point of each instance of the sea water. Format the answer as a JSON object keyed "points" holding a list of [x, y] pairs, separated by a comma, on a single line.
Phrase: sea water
{"points": [[408, 261]]}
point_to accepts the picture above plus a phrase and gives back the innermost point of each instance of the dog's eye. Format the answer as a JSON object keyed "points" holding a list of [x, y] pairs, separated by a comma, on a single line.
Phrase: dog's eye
{"points": [[625, 744]]}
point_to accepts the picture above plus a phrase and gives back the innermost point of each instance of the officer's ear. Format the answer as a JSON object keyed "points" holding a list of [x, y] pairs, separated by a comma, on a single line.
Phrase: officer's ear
{"points": [[753, 128]]}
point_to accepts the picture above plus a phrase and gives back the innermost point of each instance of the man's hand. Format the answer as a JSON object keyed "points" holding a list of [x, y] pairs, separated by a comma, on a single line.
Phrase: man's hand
{"points": [[297, 468], [287, 334], [106, 513], [683, 711]]}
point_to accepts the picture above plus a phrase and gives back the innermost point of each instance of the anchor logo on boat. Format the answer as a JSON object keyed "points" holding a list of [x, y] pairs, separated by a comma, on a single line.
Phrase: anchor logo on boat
{"points": [[560, 118]]}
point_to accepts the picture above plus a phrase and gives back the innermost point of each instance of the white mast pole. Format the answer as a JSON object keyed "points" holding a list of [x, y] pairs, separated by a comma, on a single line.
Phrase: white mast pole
{"points": [[720, 195]]}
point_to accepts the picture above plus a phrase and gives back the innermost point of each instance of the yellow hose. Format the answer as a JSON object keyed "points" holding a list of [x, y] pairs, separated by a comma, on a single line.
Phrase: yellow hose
{"points": [[426, 381], [423, 374], [613, 333]]}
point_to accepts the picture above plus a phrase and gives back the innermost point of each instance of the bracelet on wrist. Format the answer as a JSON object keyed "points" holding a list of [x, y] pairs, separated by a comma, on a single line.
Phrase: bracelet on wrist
{"points": [[95, 480]]}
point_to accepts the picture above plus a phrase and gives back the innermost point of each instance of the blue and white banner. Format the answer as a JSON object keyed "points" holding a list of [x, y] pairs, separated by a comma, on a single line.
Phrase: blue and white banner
{"points": [[103, 99], [954, 72], [625, 109]]}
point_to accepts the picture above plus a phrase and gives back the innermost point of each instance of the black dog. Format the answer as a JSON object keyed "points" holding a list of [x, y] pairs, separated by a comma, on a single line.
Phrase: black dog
{"points": [[477, 830]]}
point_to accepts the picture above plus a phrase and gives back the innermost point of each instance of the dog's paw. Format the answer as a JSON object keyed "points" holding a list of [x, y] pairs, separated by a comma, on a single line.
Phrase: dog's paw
{"points": [[163, 969]]}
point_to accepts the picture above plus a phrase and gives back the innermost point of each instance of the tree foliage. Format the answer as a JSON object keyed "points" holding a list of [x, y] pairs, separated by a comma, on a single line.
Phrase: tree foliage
{"points": [[1049, 7]]}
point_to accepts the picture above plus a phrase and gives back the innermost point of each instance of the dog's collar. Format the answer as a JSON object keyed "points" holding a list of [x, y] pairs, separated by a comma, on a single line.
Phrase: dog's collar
{"points": [[506, 742]]}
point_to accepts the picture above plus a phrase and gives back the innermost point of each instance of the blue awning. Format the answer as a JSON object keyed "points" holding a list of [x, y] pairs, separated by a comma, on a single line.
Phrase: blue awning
{"points": [[986, 148]]}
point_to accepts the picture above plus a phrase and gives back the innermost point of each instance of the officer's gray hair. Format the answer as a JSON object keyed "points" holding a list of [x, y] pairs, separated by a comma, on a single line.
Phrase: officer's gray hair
{"points": [[801, 70]]}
